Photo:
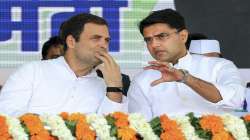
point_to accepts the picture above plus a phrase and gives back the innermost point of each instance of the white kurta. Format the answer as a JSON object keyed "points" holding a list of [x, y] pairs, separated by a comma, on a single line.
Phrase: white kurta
{"points": [[175, 98], [52, 87]]}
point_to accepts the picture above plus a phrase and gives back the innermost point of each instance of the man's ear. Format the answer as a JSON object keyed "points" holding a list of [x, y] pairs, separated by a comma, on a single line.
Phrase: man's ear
{"points": [[184, 35], [70, 41]]}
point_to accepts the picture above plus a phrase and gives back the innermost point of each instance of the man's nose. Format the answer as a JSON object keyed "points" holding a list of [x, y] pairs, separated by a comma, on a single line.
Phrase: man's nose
{"points": [[155, 43], [104, 44]]}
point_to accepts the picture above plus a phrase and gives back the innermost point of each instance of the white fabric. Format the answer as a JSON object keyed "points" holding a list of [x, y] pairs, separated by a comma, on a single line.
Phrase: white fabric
{"points": [[52, 87], [176, 98], [204, 46]]}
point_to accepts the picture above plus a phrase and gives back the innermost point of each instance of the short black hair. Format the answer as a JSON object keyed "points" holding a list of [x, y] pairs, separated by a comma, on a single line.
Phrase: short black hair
{"points": [[168, 16], [194, 36], [52, 42], [75, 26]]}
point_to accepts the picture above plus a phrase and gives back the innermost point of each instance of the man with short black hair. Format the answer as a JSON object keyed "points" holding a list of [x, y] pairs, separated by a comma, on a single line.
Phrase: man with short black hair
{"points": [[177, 83], [69, 83], [52, 48]]}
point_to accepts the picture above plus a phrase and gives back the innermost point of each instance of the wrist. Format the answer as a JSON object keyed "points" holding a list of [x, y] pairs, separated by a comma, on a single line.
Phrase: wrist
{"points": [[114, 84], [184, 77], [115, 94], [114, 89]]}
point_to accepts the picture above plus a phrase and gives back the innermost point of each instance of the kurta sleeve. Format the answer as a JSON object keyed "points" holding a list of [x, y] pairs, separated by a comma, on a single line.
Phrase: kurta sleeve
{"points": [[230, 86], [109, 106], [138, 102]]}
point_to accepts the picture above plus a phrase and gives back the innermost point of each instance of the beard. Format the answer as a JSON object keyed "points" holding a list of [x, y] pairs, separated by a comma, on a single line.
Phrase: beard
{"points": [[97, 61]]}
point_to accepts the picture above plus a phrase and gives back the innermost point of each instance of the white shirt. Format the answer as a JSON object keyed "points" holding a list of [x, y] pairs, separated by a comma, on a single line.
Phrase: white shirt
{"points": [[175, 98], [52, 87]]}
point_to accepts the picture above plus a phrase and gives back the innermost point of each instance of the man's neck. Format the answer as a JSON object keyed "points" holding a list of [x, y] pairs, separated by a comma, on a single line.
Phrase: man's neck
{"points": [[182, 54], [80, 69]]}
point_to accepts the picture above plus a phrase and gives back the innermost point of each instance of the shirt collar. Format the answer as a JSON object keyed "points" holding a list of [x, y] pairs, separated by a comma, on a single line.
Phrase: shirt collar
{"points": [[184, 61], [61, 60]]}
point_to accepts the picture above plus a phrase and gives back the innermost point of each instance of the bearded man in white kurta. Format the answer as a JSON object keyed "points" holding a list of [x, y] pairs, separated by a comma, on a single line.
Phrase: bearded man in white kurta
{"points": [[70, 82]]}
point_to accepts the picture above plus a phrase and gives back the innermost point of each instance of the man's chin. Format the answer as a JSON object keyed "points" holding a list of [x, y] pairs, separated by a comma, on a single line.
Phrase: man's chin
{"points": [[161, 59]]}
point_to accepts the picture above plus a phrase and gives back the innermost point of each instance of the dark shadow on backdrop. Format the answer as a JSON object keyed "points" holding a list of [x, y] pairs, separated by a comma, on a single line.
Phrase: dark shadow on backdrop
{"points": [[225, 20]]}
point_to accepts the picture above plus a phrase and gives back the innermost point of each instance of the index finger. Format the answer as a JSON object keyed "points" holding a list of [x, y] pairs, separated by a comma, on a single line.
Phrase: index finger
{"points": [[107, 56]]}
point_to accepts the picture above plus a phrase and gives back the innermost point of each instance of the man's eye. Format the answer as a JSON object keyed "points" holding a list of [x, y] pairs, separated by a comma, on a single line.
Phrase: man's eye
{"points": [[94, 38], [163, 35], [107, 40], [147, 40]]}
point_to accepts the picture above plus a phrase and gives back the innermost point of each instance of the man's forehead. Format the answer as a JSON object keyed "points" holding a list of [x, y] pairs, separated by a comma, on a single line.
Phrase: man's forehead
{"points": [[156, 29], [96, 30], [93, 26]]}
